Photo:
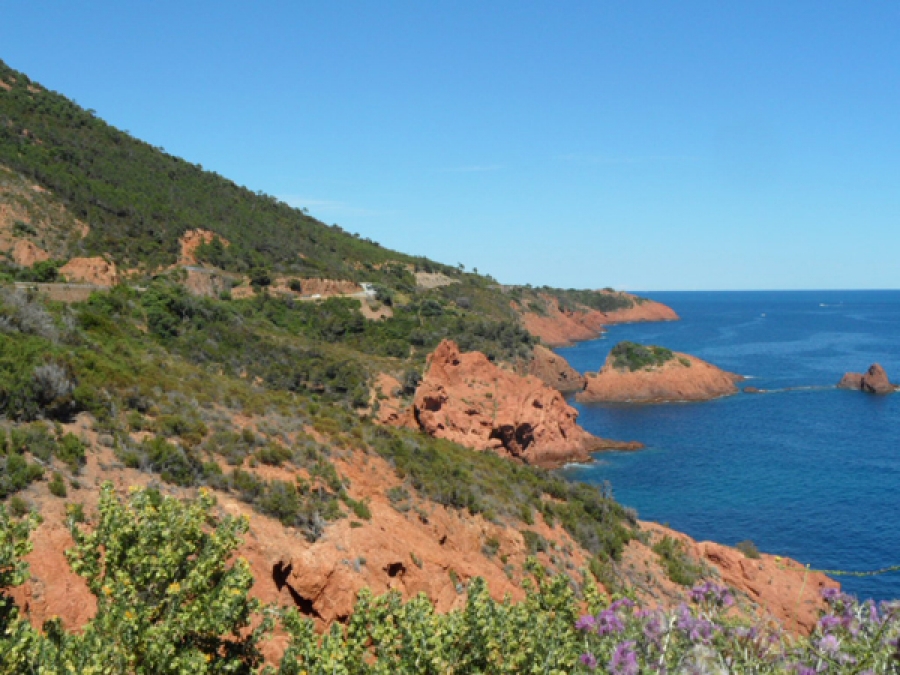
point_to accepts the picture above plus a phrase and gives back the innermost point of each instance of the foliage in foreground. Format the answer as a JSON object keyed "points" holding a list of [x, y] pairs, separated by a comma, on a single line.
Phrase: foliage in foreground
{"points": [[172, 597]]}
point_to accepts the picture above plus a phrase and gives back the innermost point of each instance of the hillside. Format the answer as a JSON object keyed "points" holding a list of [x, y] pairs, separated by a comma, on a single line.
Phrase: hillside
{"points": [[224, 347]]}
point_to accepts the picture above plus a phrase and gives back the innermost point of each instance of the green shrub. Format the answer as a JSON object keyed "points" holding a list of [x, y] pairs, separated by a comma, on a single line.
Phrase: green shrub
{"points": [[674, 558], [18, 507], [632, 356], [534, 542], [58, 486], [748, 548]]}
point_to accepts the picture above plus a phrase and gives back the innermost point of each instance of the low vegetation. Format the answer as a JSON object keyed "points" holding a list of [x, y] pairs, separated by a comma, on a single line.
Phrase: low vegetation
{"points": [[632, 356]]}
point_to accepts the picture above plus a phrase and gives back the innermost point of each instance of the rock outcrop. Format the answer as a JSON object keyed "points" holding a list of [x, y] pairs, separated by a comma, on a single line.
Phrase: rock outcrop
{"points": [[873, 381], [560, 328], [681, 378], [467, 399], [554, 371], [769, 585], [26, 254], [97, 271]]}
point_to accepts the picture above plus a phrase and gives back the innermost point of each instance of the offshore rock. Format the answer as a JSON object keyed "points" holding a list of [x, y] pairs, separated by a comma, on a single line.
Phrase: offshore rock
{"points": [[467, 399], [554, 371], [682, 378], [873, 381]]}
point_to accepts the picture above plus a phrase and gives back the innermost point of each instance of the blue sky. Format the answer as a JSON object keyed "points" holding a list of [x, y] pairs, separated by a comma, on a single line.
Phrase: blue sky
{"points": [[642, 145]]}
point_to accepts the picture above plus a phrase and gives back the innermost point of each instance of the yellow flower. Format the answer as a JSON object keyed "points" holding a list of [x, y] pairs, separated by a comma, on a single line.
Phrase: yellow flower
{"points": [[129, 614], [174, 588], [107, 591]]}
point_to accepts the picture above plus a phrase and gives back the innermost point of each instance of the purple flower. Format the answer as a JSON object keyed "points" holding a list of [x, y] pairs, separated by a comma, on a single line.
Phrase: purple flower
{"points": [[624, 660], [805, 670], [589, 660], [585, 623], [829, 621], [830, 594], [609, 622], [655, 627], [619, 604], [712, 593], [829, 644]]}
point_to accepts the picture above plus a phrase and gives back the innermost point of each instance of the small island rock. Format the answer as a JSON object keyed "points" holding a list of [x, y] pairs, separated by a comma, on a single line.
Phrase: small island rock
{"points": [[873, 381], [639, 374]]}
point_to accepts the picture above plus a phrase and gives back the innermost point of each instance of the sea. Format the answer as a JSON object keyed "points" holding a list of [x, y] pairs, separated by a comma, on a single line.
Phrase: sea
{"points": [[804, 470]]}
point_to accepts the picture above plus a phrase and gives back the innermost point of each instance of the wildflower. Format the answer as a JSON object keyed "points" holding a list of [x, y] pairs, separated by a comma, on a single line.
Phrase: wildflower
{"points": [[624, 660], [829, 621], [619, 604], [829, 644], [655, 627], [831, 594], [585, 623], [173, 588], [609, 622], [589, 660]]}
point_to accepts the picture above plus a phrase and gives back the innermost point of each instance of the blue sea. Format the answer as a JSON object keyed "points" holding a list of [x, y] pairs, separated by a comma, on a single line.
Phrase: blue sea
{"points": [[806, 471]]}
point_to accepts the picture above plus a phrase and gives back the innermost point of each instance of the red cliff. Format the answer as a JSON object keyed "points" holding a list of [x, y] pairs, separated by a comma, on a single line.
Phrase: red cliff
{"points": [[557, 327], [554, 371], [467, 399]]}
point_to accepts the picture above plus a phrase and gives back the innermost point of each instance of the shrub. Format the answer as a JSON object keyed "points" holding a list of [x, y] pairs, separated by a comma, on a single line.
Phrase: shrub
{"points": [[58, 486], [632, 356], [18, 507], [748, 548], [678, 566]]}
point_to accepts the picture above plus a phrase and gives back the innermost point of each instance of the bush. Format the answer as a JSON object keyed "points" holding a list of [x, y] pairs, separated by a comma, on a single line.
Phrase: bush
{"points": [[58, 486], [748, 548], [632, 356], [678, 566]]}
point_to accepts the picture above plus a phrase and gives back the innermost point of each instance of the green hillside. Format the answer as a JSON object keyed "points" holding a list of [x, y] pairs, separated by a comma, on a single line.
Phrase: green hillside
{"points": [[139, 200]]}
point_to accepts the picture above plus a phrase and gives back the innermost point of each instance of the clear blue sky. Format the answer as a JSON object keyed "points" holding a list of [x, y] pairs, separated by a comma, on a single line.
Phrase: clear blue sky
{"points": [[643, 145]]}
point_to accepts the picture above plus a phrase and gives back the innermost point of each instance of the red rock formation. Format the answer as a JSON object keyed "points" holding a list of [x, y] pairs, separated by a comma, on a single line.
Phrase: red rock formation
{"points": [[559, 328], [97, 271], [643, 310], [467, 399], [873, 381], [770, 585], [683, 378], [554, 371], [26, 254]]}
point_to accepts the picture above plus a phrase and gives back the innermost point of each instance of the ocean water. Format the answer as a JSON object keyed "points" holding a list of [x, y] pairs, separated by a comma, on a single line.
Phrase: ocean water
{"points": [[806, 471]]}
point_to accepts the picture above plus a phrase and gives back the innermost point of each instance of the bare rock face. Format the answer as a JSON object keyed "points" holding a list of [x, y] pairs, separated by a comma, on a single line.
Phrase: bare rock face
{"points": [[768, 586], [467, 399], [554, 371], [682, 378], [873, 381], [97, 271]]}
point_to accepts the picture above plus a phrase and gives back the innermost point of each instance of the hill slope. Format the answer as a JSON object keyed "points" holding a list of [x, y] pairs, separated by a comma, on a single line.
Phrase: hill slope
{"points": [[265, 396]]}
